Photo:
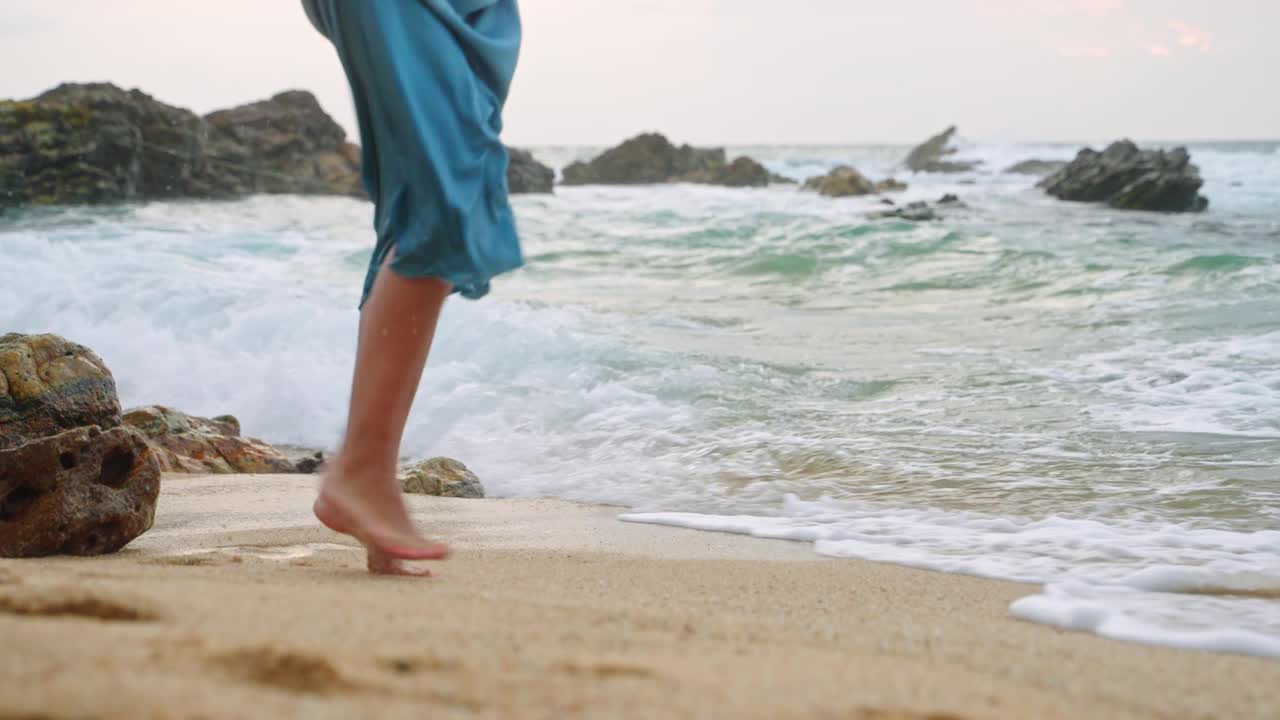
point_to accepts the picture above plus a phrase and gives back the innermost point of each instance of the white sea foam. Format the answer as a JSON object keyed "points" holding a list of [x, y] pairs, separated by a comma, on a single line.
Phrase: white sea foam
{"points": [[1159, 583]]}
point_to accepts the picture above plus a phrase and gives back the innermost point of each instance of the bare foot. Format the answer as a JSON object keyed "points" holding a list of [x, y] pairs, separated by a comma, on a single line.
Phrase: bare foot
{"points": [[373, 512]]}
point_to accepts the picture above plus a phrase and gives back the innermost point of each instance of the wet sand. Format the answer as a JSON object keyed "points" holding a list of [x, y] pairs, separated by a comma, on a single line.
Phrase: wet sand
{"points": [[236, 605]]}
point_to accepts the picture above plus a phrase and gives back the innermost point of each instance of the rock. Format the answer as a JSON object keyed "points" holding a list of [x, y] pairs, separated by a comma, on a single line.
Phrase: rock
{"points": [[644, 159], [887, 201], [286, 144], [842, 181], [742, 172], [949, 199], [80, 492], [441, 476], [1128, 178], [49, 384], [890, 185], [306, 461], [97, 143], [1036, 167], [913, 211], [527, 175], [189, 444], [928, 156]]}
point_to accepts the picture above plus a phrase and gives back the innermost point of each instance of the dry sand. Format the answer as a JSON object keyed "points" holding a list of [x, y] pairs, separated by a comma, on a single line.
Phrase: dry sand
{"points": [[236, 606]]}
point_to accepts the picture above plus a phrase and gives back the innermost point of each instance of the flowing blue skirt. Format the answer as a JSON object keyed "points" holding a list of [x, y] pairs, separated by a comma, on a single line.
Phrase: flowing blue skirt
{"points": [[429, 79]]}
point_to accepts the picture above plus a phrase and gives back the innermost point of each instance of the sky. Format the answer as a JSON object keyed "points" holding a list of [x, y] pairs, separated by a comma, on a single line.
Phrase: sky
{"points": [[593, 72]]}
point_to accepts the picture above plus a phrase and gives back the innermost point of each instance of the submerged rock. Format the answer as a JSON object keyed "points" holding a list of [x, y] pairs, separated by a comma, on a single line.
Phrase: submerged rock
{"points": [[928, 156], [189, 444], [98, 143], [49, 384], [913, 211], [80, 492], [1036, 167], [526, 175], [1126, 177], [441, 476]]}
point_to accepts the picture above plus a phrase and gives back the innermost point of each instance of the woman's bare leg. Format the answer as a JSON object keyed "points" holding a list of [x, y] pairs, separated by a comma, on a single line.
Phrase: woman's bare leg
{"points": [[359, 495]]}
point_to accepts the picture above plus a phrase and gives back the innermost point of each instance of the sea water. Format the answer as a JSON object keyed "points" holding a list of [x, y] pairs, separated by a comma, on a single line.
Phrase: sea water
{"points": [[1063, 394]]}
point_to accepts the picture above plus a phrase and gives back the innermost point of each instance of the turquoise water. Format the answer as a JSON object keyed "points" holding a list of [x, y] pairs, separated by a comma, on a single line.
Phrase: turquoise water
{"points": [[1031, 389]]}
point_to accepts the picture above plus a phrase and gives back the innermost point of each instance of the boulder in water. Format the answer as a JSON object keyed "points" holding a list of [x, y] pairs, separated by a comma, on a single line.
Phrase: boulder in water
{"points": [[742, 172], [845, 181], [928, 156], [526, 175], [913, 211], [1036, 167], [842, 181], [189, 444], [652, 158], [79, 492], [1123, 176], [644, 159], [441, 476]]}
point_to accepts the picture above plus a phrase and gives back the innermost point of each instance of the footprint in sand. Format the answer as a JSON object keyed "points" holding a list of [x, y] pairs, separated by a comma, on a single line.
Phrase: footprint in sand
{"points": [[285, 669], [73, 602]]}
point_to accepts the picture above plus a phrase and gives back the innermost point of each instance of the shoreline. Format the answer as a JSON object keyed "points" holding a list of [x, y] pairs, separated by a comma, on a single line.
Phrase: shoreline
{"points": [[235, 603]]}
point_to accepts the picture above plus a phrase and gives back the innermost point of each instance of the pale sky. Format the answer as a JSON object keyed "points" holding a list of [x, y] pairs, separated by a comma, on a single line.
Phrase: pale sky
{"points": [[593, 72]]}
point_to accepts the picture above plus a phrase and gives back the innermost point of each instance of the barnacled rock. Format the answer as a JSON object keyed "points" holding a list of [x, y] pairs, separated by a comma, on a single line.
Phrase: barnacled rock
{"points": [[80, 492], [189, 444], [49, 384], [441, 476], [1126, 177], [928, 156]]}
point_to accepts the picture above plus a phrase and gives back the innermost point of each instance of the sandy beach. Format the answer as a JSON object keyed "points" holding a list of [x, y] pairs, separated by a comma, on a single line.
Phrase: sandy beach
{"points": [[234, 605]]}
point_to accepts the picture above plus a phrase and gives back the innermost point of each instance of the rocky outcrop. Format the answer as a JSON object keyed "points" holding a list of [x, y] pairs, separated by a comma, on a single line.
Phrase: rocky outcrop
{"points": [[189, 444], [526, 175], [644, 159], [1036, 167], [49, 384], [929, 155], [441, 476], [652, 158], [1123, 176], [742, 172], [80, 492], [286, 144], [845, 181], [97, 143]]}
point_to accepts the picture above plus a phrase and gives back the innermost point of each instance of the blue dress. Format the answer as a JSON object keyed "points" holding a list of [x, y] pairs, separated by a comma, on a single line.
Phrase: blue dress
{"points": [[429, 79]]}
